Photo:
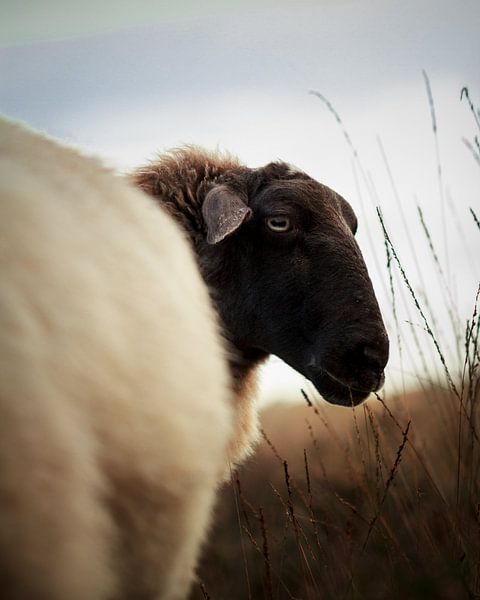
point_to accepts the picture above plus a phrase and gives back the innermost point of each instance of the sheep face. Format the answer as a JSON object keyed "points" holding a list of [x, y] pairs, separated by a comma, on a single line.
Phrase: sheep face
{"points": [[288, 278]]}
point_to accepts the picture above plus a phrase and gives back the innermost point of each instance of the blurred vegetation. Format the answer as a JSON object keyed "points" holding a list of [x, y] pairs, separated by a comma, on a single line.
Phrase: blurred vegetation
{"points": [[380, 501]]}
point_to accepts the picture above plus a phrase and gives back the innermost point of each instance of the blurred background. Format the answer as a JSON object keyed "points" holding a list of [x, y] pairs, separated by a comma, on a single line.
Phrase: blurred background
{"points": [[124, 80]]}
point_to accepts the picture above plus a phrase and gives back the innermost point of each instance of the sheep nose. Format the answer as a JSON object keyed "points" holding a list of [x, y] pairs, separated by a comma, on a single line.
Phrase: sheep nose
{"points": [[367, 361], [372, 356]]}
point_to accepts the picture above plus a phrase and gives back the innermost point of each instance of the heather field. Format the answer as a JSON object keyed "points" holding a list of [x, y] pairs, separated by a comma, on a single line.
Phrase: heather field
{"points": [[382, 501]]}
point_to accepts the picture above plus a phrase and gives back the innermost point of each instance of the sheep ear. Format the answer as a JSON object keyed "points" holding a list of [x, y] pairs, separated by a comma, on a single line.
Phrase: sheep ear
{"points": [[223, 211]]}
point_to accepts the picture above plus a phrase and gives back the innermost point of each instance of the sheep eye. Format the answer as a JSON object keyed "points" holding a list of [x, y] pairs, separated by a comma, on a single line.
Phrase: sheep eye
{"points": [[279, 224]]}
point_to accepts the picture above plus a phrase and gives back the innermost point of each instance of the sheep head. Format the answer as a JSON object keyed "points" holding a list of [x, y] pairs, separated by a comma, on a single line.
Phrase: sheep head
{"points": [[288, 278], [278, 254]]}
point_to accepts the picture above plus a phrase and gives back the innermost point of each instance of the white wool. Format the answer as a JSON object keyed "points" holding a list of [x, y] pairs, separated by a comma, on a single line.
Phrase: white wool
{"points": [[115, 408]]}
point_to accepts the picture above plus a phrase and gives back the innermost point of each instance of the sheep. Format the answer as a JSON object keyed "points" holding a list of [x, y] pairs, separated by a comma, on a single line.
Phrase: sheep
{"points": [[128, 384], [115, 401], [277, 252]]}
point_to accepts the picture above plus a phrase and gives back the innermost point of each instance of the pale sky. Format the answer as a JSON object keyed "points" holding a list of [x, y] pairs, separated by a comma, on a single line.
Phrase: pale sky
{"points": [[123, 80]]}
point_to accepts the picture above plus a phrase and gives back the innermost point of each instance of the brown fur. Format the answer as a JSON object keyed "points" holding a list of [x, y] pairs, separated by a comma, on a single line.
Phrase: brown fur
{"points": [[178, 178]]}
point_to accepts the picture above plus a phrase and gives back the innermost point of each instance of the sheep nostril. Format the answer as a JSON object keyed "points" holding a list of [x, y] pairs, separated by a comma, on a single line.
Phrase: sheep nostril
{"points": [[373, 358]]}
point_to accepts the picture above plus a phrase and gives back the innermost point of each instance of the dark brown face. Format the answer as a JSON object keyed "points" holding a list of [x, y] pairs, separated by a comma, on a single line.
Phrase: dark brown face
{"points": [[289, 279]]}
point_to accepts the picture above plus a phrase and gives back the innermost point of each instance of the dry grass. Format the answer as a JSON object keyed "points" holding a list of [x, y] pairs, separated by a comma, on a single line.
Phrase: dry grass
{"points": [[381, 501]]}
